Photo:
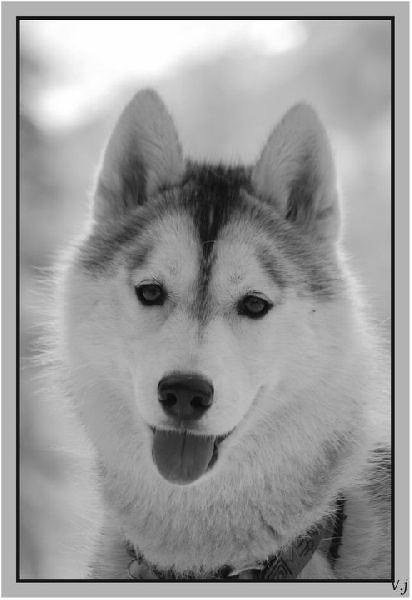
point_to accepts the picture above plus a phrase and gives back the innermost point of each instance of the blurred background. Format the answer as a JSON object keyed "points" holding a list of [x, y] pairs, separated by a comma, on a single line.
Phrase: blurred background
{"points": [[226, 83]]}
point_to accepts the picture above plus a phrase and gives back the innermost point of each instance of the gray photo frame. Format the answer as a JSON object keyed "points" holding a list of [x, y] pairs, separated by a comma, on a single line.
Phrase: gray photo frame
{"points": [[398, 12]]}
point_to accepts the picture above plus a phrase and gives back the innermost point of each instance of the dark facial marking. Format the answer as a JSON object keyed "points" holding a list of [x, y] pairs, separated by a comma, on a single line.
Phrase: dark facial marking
{"points": [[137, 255], [212, 195], [122, 233], [269, 263]]}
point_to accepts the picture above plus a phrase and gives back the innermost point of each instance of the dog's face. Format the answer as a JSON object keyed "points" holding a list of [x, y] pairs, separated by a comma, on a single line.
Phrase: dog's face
{"points": [[204, 294], [201, 320]]}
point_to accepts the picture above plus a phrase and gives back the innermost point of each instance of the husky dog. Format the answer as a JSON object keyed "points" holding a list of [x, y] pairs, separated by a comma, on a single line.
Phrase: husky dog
{"points": [[215, 348]]}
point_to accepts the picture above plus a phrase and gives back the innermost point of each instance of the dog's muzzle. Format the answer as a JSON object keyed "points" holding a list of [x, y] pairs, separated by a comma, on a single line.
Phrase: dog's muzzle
{"points": [[180, 454], [185, 397]]}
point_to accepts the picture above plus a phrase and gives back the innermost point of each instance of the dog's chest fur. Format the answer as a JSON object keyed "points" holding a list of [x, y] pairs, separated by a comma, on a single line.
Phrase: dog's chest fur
{"points": [[238, 517], [241, 525]]}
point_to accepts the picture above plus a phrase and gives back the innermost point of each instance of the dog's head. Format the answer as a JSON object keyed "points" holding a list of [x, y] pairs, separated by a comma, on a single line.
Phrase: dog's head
{"points": [[202, 287]]}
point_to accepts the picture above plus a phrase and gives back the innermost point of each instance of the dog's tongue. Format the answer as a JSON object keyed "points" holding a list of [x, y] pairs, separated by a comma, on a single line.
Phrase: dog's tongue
{"points": [[182, 457]]}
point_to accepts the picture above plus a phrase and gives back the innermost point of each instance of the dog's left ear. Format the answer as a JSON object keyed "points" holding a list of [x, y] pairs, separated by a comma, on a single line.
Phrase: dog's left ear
{"points": [[297, 172], [142, 156]]}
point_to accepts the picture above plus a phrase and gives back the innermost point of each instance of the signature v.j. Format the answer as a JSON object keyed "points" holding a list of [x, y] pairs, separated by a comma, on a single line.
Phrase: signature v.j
{"points": [[400, 587]]}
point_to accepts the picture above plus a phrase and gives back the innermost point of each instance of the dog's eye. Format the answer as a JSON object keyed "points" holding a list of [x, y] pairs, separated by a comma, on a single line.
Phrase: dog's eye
{"points": [[253, 307], [150, 294]]}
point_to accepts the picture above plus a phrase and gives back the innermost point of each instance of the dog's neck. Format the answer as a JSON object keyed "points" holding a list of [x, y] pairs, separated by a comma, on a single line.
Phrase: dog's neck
{"points": [[287, 563]]}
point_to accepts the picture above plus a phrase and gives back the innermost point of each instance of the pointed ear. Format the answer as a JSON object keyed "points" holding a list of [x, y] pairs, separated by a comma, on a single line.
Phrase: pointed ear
{"points": [[296, 171], [143, 155]]}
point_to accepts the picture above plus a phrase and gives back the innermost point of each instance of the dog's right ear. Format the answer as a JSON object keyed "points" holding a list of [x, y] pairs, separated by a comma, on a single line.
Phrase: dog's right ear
{"points": [[142, 156]]}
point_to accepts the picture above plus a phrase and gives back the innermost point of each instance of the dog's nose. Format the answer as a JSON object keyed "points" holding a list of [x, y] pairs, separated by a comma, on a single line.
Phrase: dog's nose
{"points": [[185, 397]]}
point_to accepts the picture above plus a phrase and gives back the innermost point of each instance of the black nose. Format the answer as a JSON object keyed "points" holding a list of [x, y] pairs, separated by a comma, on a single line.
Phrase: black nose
{"points": [[185, 397]]}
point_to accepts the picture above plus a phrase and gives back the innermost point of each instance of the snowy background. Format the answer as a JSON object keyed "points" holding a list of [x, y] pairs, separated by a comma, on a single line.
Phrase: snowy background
{"points": [[226, 83]]}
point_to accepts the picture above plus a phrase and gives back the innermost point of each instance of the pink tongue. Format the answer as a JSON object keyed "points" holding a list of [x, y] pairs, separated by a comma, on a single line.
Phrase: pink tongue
{"points": [[182, 457]]}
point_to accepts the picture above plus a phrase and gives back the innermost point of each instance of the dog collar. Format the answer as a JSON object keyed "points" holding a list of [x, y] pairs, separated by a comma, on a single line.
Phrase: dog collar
{"points": [[288, 563]]}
